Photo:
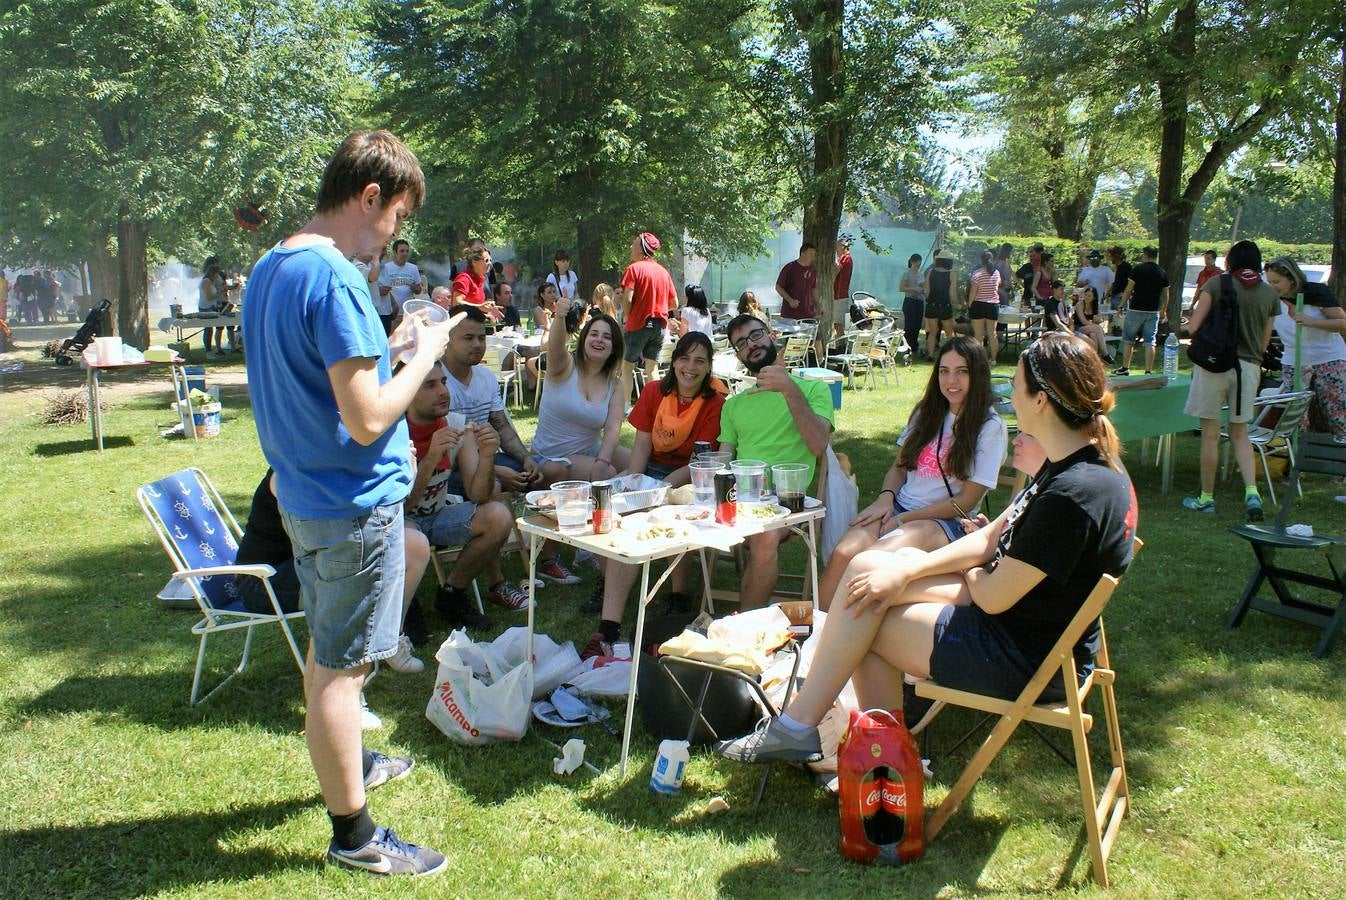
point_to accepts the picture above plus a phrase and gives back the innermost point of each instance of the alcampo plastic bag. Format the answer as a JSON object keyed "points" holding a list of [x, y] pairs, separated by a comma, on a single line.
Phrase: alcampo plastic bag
{"points": [[553, 663], [479, 697]]}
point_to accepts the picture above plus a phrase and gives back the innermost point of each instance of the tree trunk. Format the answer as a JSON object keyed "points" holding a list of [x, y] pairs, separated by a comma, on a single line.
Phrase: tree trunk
{"points": [[102, 269], [1174, 210], [821, 21], [1339, 186], [589, 249], [1068, 217], [133, 311]]}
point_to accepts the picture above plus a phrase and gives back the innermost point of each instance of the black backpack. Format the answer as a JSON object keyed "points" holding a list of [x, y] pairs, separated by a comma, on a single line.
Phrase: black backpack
{"points": [[1215, 346]]}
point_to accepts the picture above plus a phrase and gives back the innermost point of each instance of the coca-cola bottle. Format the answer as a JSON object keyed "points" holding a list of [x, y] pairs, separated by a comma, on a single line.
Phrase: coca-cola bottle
{"points": [[881, 788]]}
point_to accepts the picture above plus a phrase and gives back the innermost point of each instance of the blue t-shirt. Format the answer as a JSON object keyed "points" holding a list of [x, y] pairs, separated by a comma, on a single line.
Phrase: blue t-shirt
{"points": [[307, 309]]}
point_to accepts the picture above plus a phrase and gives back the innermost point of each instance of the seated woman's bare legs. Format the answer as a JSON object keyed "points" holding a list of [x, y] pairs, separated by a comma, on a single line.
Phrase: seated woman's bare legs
{"points": [[582, 466], [899, 640], [921, 534], [855, 541]]}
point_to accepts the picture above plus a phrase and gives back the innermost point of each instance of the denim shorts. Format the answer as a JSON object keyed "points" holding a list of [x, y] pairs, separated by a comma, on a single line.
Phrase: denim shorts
{"points": [[1140, 326], [351, 573], [981, 309], [974, 652], [953, 529], [449, 526]]}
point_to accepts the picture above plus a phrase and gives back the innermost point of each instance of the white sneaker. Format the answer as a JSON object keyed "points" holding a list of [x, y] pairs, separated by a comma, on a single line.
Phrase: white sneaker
{"points": [[403, 661], [369, 720]]}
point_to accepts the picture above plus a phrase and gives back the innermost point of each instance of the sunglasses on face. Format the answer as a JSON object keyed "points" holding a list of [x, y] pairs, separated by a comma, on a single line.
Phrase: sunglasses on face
{"points": [[751, 337]]}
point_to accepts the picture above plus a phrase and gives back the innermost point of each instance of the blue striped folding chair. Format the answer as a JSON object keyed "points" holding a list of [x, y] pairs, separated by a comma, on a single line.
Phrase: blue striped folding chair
{"points": [[201, 536]]}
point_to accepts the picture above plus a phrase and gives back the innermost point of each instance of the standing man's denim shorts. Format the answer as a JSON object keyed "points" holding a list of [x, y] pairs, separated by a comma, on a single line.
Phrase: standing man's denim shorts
{"points": [[351, 573], [1140, 327]]}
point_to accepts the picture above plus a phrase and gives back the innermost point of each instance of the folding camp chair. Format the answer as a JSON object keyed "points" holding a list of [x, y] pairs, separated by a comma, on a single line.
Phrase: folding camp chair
{"points": [[699, 724], [201, 536], [1276, 421], [1318, 454], [1102, 815]]}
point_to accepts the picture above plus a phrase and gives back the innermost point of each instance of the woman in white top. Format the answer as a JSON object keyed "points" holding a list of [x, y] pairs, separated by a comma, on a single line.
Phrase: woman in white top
{"points": [[565, 280], [696, 314], [1322, 350], [580, 418], [948, 457]]}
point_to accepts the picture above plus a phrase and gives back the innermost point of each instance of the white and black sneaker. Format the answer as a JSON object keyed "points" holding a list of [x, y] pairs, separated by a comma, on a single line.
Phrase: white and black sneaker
{"points": [[773, 742], [387, 854], [404, 660], [384, 769]]}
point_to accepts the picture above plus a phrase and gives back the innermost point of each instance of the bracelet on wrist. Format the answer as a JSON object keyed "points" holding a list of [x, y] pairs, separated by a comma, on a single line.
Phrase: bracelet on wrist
{"points": [[606, 462], [889, 491]]}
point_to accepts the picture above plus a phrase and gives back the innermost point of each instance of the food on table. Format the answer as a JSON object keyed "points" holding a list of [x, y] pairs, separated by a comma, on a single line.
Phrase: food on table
{"points": [[682, 495]]}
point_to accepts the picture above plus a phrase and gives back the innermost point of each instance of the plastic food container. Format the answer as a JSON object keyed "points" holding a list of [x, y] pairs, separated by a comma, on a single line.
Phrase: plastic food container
{"points": [[639, 492]]}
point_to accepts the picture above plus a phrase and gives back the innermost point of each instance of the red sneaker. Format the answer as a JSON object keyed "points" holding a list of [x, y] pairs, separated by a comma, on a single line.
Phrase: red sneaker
{"points": [[508, 596], [555, 571], [597, 646]]}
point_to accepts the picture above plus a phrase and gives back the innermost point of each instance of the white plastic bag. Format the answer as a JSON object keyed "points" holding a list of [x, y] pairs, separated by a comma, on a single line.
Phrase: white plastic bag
{"points": [[553, 663], [478, 697], [843, 499]]}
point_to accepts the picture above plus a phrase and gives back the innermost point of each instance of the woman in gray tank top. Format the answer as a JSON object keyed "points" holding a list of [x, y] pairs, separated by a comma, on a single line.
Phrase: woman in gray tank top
{"points": [[580, 418]]}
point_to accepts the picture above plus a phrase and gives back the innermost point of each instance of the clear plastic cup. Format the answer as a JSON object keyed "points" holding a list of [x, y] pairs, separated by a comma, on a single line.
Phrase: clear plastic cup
{"points": [[749, 479], [703, 481], [721, 458], [574, 510], [432, 311], [791, 481]]}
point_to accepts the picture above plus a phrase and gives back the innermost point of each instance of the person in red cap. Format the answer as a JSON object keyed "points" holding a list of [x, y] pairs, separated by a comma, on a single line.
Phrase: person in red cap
{"points": [[647, 294]]}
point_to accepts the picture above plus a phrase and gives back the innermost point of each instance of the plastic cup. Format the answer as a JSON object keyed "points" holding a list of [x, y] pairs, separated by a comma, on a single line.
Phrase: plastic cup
{"points": [[791, 480], [721, 458], [108, 351], [749, 479], [573, 507], [429, 309], [703, 481]]}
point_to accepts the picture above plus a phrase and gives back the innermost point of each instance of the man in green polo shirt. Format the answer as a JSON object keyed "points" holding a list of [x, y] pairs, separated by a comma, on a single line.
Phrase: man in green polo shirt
{"points": [[783, 420]]}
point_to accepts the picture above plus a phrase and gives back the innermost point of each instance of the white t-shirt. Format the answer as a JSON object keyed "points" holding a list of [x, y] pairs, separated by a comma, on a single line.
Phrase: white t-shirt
{"points": [[924, 486], [401, 279], [477, 399], [566, 286], [1100, 279], [1316, 346], [697, 321]]}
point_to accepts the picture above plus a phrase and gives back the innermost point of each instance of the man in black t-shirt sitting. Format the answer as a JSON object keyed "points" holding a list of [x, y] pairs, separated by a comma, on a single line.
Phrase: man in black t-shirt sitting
{"points": [[1147, 295], [265, 541]]}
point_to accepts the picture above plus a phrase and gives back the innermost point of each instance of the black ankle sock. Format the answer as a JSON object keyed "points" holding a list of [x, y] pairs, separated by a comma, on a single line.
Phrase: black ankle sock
{"points": [[610, 630], [354, 830], [366, 761]]}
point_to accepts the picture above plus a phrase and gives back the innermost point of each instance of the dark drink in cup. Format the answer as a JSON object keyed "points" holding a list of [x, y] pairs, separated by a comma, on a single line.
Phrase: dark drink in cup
{"points": [[726, 498], [791, 500]]}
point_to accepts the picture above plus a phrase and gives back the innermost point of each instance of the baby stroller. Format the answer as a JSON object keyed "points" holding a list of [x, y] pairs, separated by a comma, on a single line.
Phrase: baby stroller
{"points": [[93, 327]]}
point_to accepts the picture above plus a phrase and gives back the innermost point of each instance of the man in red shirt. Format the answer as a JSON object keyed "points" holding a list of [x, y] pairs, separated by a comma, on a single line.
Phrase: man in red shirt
{"points": [[797, 285], [647, 294], [1210, 271], [841, 287]]}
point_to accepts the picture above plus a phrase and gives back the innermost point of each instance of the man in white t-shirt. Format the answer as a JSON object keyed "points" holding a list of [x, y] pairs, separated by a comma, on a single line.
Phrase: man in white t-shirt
{"points": [[399, 281], [1097, 276]]}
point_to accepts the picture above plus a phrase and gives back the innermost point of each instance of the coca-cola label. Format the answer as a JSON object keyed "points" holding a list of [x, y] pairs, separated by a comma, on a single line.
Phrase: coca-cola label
{"points": [[893, 797]]}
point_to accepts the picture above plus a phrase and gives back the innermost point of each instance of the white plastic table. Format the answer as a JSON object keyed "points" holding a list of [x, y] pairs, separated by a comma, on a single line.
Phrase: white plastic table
{"points": [[540, 529]]}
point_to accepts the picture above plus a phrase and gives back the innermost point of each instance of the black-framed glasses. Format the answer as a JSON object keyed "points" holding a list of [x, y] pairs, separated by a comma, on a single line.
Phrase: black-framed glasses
{"points": [[751, 337]]}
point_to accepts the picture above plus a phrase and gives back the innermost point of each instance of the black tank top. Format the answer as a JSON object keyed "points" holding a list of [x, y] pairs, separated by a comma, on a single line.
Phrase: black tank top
{"points": [[939, 286]]}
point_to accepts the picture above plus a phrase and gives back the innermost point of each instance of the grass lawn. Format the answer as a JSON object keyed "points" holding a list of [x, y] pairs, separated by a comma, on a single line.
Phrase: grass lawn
{"points": [[110, 784]]}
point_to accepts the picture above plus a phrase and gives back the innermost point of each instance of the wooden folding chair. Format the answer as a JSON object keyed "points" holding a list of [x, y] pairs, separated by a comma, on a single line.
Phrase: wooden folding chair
{"points": [[1318, 454], [1102, 814]]}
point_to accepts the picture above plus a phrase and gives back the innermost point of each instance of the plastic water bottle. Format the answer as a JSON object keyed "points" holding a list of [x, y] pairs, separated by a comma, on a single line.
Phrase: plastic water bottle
{"points": [[669, 765], [1171, 356]]}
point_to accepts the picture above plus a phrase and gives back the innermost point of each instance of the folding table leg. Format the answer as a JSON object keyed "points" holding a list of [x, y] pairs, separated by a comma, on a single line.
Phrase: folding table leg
{"points": [[635, 663]]}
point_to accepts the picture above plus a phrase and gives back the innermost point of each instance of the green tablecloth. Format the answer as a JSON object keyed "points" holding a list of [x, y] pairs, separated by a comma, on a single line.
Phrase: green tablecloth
{"points": [[1147, 413], [1142, 414]]}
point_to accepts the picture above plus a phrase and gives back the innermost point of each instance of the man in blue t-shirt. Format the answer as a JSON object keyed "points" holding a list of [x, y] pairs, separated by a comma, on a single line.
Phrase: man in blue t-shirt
{"points": [[329, 414]]}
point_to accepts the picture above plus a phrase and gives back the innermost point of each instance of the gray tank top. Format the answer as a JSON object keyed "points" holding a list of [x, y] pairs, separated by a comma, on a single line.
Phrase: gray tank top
{"points": [[569, 424]]}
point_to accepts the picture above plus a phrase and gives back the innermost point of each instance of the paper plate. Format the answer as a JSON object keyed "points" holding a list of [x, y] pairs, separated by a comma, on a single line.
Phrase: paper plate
{"points": [[697, 516], [645, 528], [761, 512]]}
